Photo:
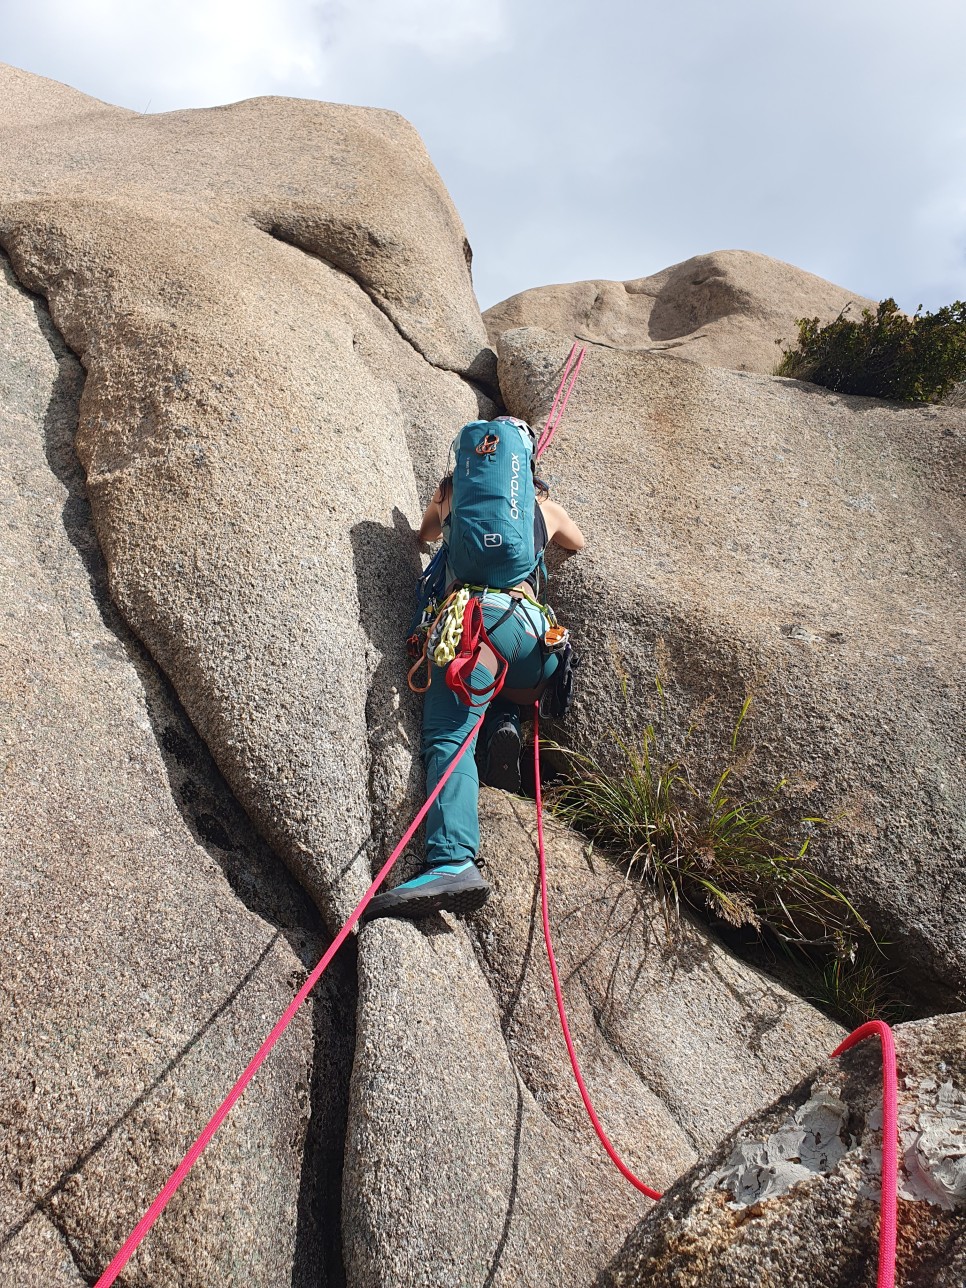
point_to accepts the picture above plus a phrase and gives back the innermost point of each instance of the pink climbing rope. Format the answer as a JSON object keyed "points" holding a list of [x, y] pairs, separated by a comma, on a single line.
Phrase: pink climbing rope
{"points": [[221, 1113], [556, 398], [888, 1197], [621, 1166], [890, 1132], [564, 389]]}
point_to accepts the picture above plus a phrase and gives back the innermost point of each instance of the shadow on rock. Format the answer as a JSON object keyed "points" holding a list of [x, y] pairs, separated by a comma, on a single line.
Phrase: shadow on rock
{"points": [[511, 1201], [387, 567]]}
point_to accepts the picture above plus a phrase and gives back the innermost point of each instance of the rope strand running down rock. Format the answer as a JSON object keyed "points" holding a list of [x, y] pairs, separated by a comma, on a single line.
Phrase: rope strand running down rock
{"points": [[889, 1192], [621, 1166], [568, 379], [171, 1186]]}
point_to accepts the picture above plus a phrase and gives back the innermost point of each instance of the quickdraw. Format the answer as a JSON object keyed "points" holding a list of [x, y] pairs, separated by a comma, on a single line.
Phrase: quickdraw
{"points": [[419, 645]]}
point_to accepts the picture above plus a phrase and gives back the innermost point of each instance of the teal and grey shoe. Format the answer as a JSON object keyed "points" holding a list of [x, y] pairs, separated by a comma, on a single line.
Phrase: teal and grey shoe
{"points": [[447, 887]]}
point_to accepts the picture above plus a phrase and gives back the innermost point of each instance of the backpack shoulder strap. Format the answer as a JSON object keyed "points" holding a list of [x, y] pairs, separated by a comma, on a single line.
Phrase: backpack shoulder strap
{"points": [[539, 530]]}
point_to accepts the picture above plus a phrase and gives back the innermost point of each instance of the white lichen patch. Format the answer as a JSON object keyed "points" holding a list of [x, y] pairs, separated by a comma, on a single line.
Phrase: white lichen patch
{"points": [[932, 1142], [812, 1141]]}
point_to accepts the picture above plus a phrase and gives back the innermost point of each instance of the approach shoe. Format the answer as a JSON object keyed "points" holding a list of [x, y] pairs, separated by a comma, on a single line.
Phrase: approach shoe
{"points": [[501, 762], [448, 887]]}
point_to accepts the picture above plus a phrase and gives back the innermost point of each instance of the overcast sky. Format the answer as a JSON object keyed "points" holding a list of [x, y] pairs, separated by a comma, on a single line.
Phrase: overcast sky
{"points": [[601, 139]]}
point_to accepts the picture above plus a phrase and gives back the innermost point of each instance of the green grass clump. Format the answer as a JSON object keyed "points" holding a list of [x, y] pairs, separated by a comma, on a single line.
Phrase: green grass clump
{"points": [[711, 849], [856, 989], [885, 354]]}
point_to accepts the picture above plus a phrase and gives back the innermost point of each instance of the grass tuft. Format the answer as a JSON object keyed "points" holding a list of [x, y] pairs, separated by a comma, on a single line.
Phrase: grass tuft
{"points": [[712, 850], [854, 990]]}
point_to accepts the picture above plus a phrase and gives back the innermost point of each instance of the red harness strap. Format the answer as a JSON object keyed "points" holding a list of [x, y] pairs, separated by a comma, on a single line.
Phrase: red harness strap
{"points": [[460, 670]]}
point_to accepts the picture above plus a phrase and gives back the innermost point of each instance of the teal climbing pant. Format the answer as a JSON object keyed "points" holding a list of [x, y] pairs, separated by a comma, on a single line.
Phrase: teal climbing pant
{"points": [[452, 824]]}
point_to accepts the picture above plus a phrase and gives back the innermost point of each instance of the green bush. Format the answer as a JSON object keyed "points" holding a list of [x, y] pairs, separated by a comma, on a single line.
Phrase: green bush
{"points": [[886, 354]]}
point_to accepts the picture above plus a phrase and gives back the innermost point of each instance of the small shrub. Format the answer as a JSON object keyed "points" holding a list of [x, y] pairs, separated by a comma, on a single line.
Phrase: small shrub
{"points": [[712, 850], [886, 354]]}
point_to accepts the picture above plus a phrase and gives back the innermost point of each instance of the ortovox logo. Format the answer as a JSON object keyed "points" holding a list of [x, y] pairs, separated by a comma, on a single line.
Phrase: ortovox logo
{"points": [[514, 486], [492, 539]]}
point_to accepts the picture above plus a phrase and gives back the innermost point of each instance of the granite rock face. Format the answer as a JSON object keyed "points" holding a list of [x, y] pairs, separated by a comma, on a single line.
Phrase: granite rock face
{"points": [[469, 1155], [149, 935], [792, 1197], [755, 536], [726, 309], [271, 345], [277, 336]]}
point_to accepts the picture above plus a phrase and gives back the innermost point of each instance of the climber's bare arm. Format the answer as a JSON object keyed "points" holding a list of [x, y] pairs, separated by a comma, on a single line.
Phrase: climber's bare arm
{"points": [[561, 529], [431, 527]]}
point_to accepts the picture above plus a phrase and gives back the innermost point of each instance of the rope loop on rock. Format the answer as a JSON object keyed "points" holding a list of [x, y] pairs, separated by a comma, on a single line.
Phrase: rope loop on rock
{"points": [[889, 1192]]}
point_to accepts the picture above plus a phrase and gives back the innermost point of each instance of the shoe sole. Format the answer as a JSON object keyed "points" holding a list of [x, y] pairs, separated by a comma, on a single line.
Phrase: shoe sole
{"points": [[459, 902], [503, 761]]}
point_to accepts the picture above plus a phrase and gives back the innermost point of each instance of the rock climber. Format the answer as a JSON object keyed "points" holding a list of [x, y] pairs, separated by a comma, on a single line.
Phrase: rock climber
{"points": [[451, 880]]}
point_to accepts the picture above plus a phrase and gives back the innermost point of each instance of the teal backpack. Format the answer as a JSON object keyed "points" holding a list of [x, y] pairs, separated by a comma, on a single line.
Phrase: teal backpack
{"points": [[495, 532]]}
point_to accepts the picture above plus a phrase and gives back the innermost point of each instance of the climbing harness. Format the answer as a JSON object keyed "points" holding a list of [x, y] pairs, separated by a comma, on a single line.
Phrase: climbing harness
{"points": [[455, 641]]}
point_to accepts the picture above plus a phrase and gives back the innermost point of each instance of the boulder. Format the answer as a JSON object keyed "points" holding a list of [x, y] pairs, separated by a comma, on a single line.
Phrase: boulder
{"points": [[352, 186], [150, 937], [726, 309], [271, 348], [792, 1197]]}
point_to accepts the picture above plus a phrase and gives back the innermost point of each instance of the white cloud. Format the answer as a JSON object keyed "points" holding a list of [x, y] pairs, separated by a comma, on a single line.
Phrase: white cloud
{"points": [[199, 53], [183, 53], [597, 140], [437, 28]]}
